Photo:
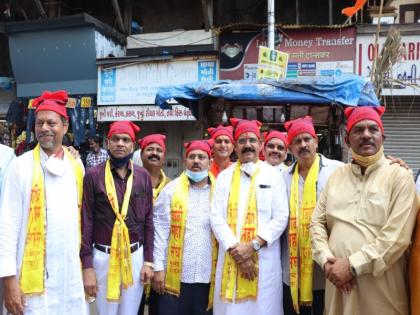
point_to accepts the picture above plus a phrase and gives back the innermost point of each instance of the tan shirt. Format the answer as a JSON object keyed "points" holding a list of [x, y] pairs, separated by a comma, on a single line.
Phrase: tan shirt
{"points": [[368, 218]]}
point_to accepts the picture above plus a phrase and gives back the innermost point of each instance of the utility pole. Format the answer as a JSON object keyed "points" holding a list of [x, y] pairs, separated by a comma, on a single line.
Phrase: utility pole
{"points": [[270, 23]]}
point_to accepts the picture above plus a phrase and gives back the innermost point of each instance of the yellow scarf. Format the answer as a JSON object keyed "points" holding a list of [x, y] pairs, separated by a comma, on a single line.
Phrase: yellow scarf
{"points": [[179, 212], [156, 191], [366, 161], [299, 238], [234, 285], [120, 268], [33, 264]]}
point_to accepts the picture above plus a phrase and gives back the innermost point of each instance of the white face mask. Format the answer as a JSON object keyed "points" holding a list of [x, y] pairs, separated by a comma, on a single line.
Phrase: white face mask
{"points": [[55, 166], [249, 167]]}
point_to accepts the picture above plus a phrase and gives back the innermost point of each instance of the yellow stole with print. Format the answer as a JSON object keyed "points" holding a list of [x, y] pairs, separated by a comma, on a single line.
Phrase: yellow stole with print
{"points": [[33, 264], [179, 212], [156, 191], [234, 284], [299, 238], [120, 267]]}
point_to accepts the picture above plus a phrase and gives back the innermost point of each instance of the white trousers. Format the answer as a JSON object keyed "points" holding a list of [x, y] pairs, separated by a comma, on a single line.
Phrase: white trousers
{"points": [[130, 298]]}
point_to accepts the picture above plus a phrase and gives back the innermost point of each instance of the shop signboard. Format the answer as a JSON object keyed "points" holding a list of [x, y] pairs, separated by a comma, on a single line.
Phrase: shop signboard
{"points": [[144, 113], [312, 52], [137, 84], [404, 77]]}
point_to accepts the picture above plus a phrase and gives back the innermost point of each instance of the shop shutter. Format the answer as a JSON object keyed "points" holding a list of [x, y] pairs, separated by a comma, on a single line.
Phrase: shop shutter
{"points": [[402, 129]]}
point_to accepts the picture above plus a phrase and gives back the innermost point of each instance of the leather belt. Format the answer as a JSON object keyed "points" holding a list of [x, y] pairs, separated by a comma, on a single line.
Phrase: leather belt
{"points": [[107, 249]]}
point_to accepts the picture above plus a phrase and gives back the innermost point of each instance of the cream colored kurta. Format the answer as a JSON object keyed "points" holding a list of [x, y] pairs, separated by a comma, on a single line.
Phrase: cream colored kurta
{"points": [[369, 219], [64, 293]]}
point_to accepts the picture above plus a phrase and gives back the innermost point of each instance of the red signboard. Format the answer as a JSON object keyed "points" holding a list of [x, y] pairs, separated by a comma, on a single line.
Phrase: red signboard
{"points": [[325, 52]]}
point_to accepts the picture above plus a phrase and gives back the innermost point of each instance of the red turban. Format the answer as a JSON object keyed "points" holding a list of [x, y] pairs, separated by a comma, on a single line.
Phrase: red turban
{"points": [[299, 126], [126, 127], [221, 131], [204, 145], [242, 125], [155, 138], [359, 113], [53, 101], [275, 134]]}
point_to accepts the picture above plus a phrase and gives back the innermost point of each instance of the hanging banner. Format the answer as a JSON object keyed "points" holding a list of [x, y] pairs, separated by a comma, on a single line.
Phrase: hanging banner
{"points": [[272, 64], [144, 113]]}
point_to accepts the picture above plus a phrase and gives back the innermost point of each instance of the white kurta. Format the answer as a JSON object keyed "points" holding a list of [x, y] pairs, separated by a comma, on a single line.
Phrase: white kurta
{"points": [[273, 212], [64, 293]]}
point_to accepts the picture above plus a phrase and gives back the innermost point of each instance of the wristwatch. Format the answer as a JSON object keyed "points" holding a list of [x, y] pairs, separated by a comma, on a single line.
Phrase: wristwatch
{"points": [[352, 270], [256, 245]]}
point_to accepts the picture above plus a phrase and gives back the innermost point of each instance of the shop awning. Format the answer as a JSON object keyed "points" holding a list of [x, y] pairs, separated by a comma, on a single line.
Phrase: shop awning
{"points": [[349, 90]]}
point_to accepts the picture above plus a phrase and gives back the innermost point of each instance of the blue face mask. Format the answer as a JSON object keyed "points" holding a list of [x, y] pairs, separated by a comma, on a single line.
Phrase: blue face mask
{"points": [[197, 176], [119, 162]]}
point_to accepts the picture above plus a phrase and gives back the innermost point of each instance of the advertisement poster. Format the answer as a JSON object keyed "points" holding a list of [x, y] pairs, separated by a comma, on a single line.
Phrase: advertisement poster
{"points": [[272, 64]]}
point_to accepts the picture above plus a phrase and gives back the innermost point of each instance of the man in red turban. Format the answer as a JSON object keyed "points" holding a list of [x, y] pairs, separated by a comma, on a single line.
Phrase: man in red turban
{"points": [[39, 220], [222, 148], [303, 289], [185, 251], [370, 206], [153, 152], [275, 149], [117, 226], [249, 213]]}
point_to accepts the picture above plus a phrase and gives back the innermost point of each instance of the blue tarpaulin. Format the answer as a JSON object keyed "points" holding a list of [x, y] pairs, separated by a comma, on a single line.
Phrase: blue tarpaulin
{"points": [[349, 90]]}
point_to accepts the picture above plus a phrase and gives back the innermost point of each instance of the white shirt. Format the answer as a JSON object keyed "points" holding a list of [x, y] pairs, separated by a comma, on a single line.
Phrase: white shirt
{"points": [[418, 185], [273, 212], [6, 155], [196, 259], [327, 167], [64, 293]]}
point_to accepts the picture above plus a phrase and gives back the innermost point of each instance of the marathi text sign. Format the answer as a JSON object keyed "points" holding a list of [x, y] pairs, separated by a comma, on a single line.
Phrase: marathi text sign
{"points": [[312, 52], [404, 71], [272, 64], [144, 113], [138, 84]]}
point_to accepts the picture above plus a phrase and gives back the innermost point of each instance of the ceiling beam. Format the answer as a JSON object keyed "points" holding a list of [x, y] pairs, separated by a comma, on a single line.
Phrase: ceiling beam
{"points": [[207, 6], [40, 8], [117, 10]]}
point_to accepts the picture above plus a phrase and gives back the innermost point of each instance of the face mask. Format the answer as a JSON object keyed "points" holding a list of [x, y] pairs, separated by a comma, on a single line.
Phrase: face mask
{"points": [[119, 162], [366, 161], [55, 166], [249, 167], [197, 176]]}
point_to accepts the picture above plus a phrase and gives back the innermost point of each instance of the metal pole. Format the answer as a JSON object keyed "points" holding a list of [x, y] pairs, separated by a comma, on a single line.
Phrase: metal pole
{"points": [[330, 12], [270, 23]]}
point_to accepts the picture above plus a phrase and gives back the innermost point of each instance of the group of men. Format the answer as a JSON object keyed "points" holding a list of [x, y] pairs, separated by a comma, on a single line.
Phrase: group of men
{"points": [[244, 237]]}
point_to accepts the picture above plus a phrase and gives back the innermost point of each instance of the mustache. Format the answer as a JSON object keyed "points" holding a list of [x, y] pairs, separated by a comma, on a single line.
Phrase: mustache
{"points": [[248, 149], [304, 150], [367, 142], [47, 133], [154, 156], [195, 165]]}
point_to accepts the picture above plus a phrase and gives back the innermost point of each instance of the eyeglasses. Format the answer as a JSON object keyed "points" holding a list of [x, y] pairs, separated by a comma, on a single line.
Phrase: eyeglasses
{"points": [[243, 141], [278, 147]]}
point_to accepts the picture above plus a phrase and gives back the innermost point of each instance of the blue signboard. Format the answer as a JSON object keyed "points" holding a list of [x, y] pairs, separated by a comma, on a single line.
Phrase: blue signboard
{"points": [[108, 85], [207, 71]]}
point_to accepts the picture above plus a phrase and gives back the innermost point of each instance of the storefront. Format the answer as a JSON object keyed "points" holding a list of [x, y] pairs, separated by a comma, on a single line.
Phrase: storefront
{"points": [[321, 51], [127, 89], [274, 102], [401, 94]]}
